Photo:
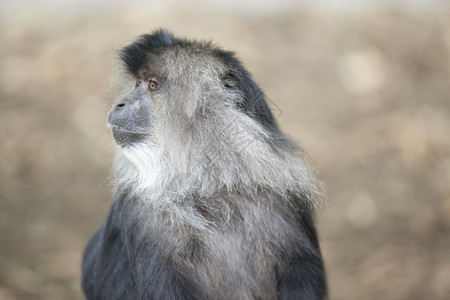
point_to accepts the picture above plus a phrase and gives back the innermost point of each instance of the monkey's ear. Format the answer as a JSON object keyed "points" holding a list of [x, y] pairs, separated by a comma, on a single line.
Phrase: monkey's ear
{"points": [[230, 82], [247, 95], [250, 97], [233, 86]]}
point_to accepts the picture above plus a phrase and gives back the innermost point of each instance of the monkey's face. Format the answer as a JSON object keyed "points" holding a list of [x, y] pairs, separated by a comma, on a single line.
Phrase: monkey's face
{"points": [[131, 119], [167, 97]]}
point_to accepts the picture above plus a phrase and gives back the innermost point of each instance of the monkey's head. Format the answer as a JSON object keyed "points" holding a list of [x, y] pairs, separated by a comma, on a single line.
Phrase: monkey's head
{"points": [[192, 109]]}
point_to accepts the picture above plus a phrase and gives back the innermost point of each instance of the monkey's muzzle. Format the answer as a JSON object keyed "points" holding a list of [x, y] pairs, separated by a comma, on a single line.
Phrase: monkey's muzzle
{"points": [[130, 120]]}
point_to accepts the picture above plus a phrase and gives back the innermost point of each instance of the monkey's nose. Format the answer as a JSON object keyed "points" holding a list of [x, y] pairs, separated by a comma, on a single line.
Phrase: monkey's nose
{"points": [[128, 103], [120, 106]]}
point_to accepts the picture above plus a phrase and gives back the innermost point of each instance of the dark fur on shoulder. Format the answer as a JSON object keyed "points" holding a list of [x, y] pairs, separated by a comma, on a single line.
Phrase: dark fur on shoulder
{"points": [[211, 200]]}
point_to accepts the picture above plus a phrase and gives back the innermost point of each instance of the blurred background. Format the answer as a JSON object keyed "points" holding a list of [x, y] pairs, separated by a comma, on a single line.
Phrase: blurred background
{"points": [[363, 85]]}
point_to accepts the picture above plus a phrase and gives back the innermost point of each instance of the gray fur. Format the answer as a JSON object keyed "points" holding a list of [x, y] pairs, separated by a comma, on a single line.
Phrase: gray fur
{"points": [[210, 188]]}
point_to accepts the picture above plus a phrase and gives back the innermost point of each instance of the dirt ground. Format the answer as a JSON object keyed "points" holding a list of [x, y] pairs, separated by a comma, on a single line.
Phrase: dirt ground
{"points": [[367, 94]]}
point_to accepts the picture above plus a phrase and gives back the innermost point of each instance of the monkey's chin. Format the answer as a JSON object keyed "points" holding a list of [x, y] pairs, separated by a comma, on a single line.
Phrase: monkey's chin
{"points": [[127, 138]]}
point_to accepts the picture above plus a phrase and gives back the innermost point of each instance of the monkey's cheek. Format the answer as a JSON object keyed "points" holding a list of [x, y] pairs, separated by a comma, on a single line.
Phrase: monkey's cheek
{"points": [[126, 138]]}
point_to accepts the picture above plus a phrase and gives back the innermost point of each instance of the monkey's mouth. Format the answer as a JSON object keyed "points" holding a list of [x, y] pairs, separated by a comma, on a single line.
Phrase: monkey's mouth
{"points": [[126, 137]]}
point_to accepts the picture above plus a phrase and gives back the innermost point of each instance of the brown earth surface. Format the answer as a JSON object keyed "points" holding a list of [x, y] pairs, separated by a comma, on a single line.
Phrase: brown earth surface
{"points": [[367, 94]]}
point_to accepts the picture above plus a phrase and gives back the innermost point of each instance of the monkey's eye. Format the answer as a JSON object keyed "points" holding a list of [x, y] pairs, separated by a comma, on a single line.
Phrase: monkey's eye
{"points": [[138, 82], [153, 84]]}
